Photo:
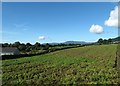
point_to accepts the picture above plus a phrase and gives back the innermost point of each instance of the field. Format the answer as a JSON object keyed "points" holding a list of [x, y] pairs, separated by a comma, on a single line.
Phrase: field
{"points": [[84, 65]]}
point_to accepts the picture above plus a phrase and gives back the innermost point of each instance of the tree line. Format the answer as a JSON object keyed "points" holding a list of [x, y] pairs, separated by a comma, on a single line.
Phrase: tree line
{"points": [[26, 47], [30, 47], [104, 41], [37, 46]]}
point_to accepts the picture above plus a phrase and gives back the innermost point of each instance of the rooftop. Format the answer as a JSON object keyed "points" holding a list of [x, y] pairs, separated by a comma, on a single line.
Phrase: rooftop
{"points": [[8, 49]]}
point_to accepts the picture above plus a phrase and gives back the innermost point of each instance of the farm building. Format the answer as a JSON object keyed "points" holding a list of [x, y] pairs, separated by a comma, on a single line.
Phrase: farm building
{"points": [[9, 51]]}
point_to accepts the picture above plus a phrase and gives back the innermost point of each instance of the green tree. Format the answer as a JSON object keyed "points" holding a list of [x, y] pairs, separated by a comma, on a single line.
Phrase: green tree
{"points": [[5, 45], [100, 41], [37, 46], [46, 47], [16, 44], [109, 40], [28, 44], [105, 41], [22, 47]]}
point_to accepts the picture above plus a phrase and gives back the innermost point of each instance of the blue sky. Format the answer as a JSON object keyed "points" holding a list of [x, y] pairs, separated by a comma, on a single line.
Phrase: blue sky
{"points": [[55, 22]]}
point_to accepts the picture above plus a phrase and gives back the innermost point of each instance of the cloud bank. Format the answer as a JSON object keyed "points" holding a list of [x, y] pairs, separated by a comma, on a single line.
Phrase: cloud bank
{"points": [[113, 18]]}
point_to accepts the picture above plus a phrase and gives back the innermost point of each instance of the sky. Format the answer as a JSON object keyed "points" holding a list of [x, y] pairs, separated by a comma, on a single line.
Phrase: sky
{"points": [[48, 22]]}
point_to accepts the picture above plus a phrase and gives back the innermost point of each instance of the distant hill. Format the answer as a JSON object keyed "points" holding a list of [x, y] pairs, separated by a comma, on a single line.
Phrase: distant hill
{"points": [[116, 39], [71, 42], [54, 43], [75, 42], [82, 42]]}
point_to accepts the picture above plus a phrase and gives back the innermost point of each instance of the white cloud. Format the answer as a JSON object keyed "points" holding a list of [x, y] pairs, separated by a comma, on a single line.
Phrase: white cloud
{"points": [[113, 18], [96, 29], [41, 38]]}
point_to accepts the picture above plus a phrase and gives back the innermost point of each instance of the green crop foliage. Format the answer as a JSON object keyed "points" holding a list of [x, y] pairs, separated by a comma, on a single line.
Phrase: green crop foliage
{"points": [[83, 65]]}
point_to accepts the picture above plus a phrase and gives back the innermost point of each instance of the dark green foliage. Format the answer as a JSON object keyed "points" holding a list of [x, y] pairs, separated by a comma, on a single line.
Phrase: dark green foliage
{"points": [[108, 41], [100, 41], [37, 47], [22, 47], [16, 44], [46, 47], [116, 39]]}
